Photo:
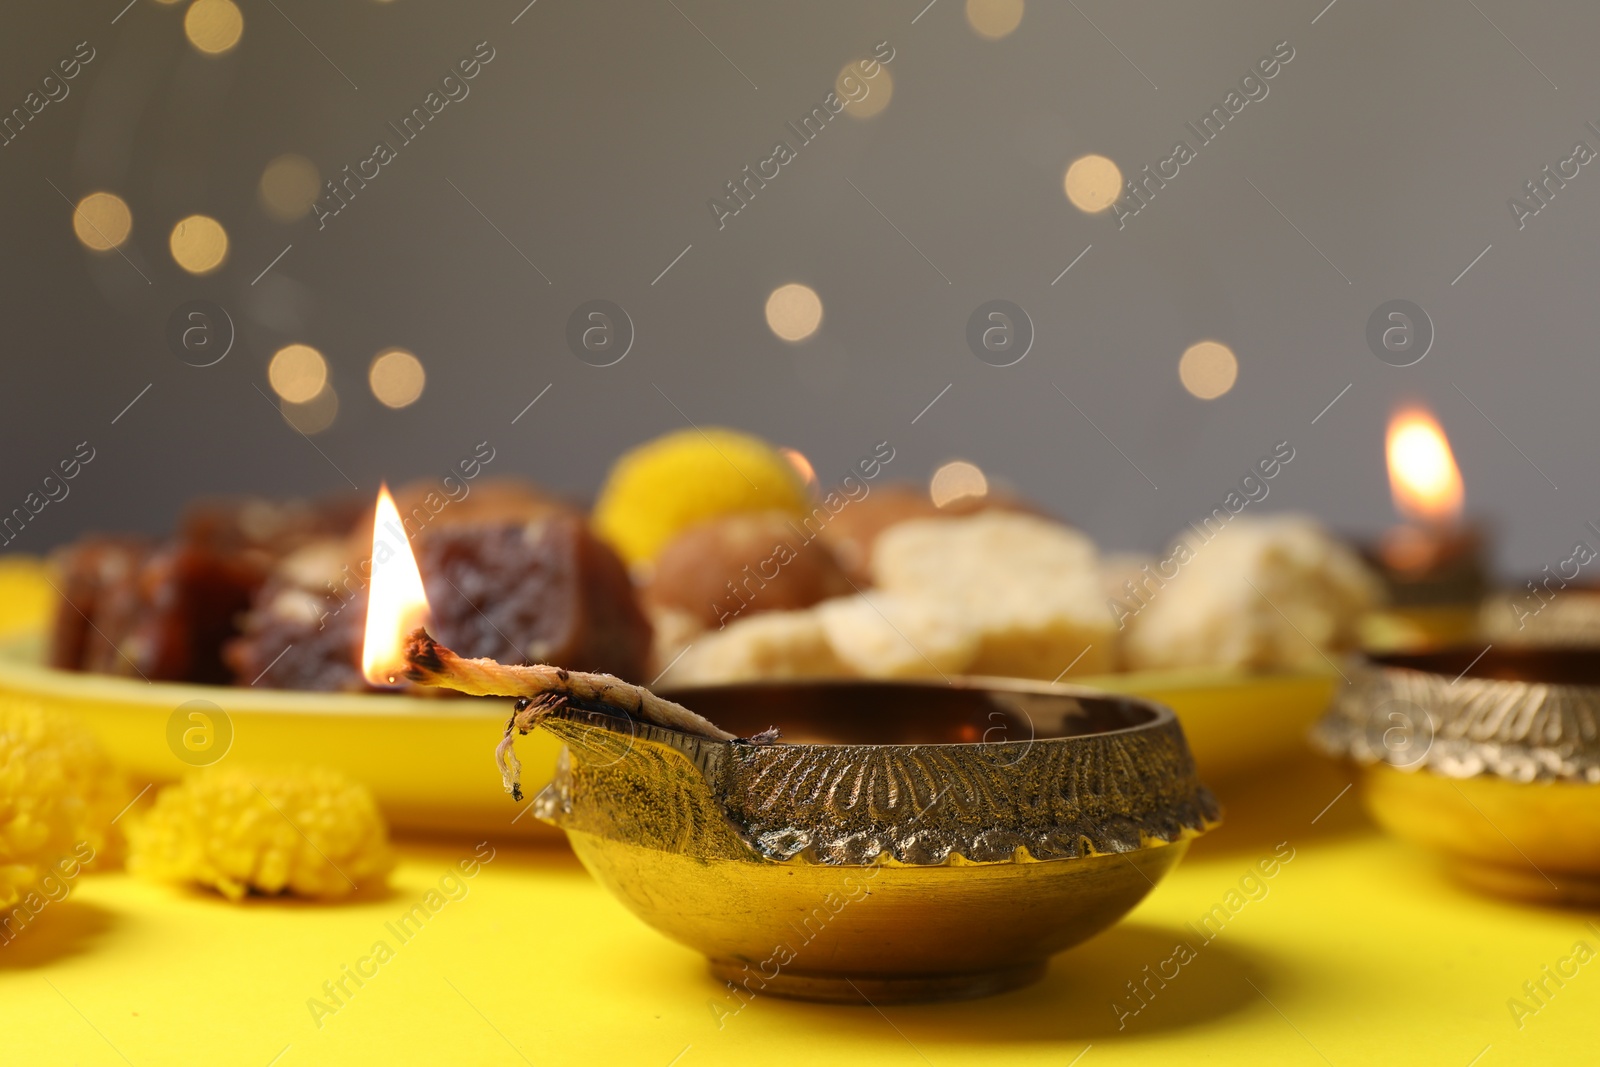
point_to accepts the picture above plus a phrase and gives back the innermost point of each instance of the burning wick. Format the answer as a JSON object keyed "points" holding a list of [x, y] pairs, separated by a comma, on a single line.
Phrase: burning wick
{"points": [[398, 646], [542, 690], [1426, 486], [396, 601]]}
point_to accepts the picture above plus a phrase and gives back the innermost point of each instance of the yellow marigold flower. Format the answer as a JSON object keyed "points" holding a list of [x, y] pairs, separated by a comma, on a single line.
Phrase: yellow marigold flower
{"points": [[302, 830], [98, 792], [58, 795], [662, 487]]}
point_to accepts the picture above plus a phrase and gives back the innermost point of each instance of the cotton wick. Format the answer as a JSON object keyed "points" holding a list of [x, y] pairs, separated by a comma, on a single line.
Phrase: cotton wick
{"points": [[542, 689]]}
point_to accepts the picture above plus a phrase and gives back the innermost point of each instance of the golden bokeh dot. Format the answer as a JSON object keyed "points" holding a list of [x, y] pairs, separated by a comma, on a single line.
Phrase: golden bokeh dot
{"points": [[297, 373], [213, 26], [802, 466], [1208, 369], [289, 186], [1093, 183], [864, 97], [994, 19], [396, 377], [794, 311], [957, 480], [199, 244], [315, 415], [102, 221]]}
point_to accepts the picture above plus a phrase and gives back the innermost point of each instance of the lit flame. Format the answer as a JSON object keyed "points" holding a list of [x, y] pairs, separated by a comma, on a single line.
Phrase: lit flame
{"points": [[396, 601], [1423, 476]]}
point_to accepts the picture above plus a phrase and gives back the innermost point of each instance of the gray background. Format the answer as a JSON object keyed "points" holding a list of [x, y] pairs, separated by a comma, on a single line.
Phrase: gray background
{"points": [[594, 138]]}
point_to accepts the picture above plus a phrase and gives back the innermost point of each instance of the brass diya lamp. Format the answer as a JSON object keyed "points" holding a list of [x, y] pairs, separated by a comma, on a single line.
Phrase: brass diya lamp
{"points": [[1489, 757], [1432, 562], [899, 842], [903, 842], [1558, 607]]}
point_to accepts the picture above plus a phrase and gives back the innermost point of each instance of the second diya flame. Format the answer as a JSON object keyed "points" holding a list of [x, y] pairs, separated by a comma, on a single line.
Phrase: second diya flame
{"points": [[1423, 477]]}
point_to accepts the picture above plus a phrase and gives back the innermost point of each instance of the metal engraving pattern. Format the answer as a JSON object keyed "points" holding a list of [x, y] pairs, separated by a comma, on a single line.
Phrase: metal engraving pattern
{"points": [[1520, 730], [849, 804]]}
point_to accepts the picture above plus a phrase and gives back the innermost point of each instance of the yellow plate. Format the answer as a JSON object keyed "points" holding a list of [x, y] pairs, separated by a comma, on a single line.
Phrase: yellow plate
{"points": [[430, 761], [1234, 721]]}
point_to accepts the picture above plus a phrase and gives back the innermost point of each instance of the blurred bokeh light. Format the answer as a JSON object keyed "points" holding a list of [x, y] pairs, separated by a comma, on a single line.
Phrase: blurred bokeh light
{"points": [[213, 26], [1208, 369], [802, 466], [794, 311], [994, 19], [102, 221], [864, 97], [396, 377], [289, 186], [313, 416], [957, 480], [297, 373], [199, 244], [1093, 183]]}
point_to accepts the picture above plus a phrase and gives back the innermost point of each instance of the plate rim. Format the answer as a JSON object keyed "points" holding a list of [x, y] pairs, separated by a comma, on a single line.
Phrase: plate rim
{"points": [[20, 673]]}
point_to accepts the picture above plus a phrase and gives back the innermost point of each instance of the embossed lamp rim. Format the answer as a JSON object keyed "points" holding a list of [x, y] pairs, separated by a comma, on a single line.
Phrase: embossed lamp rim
{"points": [[1114, 786], [1523, 713]]}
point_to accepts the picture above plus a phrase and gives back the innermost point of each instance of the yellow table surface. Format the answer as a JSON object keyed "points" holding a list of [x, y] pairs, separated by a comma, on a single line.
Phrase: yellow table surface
{"points": [[1360, 951]]}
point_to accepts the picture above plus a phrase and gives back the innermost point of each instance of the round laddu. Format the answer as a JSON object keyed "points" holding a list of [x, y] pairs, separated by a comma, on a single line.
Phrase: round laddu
{"points": [[739, 565]]}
